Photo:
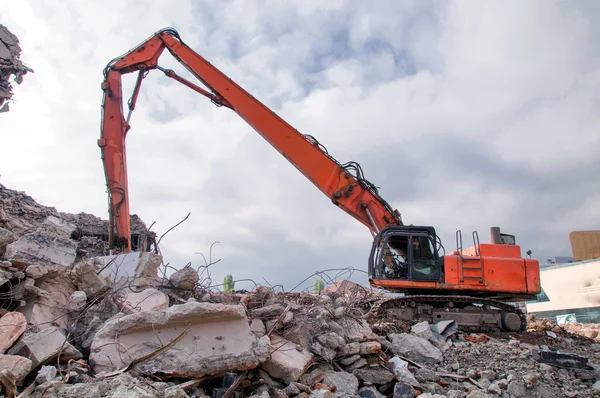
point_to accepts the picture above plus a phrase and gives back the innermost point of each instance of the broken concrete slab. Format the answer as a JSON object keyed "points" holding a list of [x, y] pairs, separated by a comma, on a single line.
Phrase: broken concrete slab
{"points": [[287, 363], [18, 366], [134, 269], [54, 251], [54, 307], [12, 326], [415, 348], [44, 347], [148, 300], [219, 339]]}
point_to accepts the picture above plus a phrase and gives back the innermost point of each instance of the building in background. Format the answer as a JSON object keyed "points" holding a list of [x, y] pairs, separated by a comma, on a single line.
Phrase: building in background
{"points": [[571, 285]]}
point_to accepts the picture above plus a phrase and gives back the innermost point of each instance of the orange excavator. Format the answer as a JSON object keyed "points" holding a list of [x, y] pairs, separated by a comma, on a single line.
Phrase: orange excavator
{"points": [[476, 287]]}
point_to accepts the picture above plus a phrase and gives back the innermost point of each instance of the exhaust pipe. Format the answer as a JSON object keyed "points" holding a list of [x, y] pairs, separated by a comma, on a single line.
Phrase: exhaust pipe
{"points": [[495, 237]]}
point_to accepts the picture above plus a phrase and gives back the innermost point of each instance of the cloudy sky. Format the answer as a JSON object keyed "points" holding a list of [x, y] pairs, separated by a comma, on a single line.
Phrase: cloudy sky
{"points": [[467, 114]]}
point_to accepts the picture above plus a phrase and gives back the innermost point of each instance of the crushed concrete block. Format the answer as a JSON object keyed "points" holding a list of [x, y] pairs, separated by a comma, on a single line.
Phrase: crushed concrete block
{"points": [[361, 363], [349, 349], [331, 340], [89, 280], [36, 271], [46, 374], [53, 308], [374, 375], [326, 353], [219, 339], [135, 269], [185, 278], [415, 348], [12, 326], [345, 383], [356, 330], [258, 327], [18, 366], [369, 347], [77, 301], [148, 300], [286, 363], [44, 347], [268, 312], [6, 238], [349, 360]]}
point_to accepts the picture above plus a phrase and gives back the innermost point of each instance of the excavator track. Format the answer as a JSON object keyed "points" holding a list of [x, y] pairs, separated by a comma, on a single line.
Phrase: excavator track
{"points": [[472, 314]]}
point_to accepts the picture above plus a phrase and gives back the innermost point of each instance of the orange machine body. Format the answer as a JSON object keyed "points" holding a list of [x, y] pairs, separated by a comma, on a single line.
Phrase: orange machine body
{"points": [[490, 270]]}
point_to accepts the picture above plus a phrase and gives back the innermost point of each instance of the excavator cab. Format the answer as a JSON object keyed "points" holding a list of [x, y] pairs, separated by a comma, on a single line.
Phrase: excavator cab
{"points": [[408, 253]]}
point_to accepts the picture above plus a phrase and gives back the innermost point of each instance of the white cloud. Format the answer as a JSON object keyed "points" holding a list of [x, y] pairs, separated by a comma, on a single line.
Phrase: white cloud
{"points": [[467, 114]]}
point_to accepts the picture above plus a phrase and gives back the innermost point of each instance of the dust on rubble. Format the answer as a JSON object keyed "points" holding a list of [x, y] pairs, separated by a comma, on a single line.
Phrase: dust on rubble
{"points": [[77, 322], [10, 65]]}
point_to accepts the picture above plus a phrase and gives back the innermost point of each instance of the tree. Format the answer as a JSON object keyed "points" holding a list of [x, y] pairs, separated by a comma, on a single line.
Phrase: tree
{"points": [[318, 285], [228, 283]]}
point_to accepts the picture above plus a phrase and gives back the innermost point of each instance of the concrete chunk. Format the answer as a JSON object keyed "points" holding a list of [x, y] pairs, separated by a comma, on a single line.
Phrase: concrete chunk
{"points": [[415, 348], [54, 251], [44, 347], [286, 363], [18, 366], [12, 326], [52, 308], [219, 340], [136, 268], [149, 300]]}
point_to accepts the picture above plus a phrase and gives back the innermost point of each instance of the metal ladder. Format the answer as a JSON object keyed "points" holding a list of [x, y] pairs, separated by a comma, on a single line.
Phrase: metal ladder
{"points": [[472, 267]]}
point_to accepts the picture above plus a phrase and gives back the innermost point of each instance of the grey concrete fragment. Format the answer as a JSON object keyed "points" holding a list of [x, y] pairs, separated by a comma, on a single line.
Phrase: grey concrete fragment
{"points": [[45, 374], [331, 340], [287, 363], [377, 375], [148, 300], [268, 312], [349, 360], [258, 327], [219, 339], [44, 347], [36, 271], [349, 349], [326, 353], [134, 269], [89, 280], [415, 348], [185, 278], [56, 251], [361, 363], [345, 383]]}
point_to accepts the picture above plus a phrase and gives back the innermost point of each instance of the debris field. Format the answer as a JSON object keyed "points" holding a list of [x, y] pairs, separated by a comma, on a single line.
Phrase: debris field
{"points": [[79, 322]]}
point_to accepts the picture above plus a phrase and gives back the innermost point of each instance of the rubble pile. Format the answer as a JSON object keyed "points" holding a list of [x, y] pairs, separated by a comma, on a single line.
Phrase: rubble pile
{"points": [[10, 65], [95, 324]]}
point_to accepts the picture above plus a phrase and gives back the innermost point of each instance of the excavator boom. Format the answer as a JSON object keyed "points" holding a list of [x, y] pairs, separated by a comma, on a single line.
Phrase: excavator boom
{"points": [[344, 184]]}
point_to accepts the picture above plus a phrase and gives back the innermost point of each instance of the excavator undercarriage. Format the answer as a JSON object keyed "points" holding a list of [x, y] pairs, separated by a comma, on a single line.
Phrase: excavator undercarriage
{"points": [[470, 313]]}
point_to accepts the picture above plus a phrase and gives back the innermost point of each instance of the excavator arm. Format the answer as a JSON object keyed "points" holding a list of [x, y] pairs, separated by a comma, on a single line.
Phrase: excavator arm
{"points": [[344, 184]]}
